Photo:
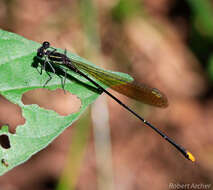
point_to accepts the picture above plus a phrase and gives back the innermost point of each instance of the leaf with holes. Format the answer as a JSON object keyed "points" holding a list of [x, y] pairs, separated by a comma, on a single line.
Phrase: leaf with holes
{"points": [[17, 77]]}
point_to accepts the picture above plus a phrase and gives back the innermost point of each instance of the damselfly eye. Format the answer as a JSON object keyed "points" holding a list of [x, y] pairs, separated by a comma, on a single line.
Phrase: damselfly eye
{"points": [[46, 45], [40, 53]]}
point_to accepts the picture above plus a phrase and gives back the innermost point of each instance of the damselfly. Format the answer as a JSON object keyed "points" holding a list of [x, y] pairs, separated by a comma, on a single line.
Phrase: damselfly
{"points": [[122, 85]]}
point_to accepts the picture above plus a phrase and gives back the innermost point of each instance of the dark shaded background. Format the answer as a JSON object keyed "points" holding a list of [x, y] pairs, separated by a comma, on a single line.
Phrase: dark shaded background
{"points": [[165, 43]]}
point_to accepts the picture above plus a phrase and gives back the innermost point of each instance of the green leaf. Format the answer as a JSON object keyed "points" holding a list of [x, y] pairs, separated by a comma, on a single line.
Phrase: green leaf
{"points": [[17, 77]]}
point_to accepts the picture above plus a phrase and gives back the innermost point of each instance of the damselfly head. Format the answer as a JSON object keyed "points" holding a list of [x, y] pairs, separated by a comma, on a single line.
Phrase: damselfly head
{"points": [[46, 45], [41, 51]]}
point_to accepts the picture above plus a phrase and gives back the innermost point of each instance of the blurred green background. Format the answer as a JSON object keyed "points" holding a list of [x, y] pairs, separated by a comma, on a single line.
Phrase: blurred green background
{"points": [[166, 44]]}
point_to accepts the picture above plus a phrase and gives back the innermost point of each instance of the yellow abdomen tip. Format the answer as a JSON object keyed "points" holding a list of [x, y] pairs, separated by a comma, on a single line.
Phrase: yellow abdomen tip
{"points": [[190, 156]]}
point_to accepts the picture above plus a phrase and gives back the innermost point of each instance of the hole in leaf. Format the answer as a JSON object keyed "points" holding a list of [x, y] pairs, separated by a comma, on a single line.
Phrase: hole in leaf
{"points": [[4, 141], [10, 114], [62, 103]]}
